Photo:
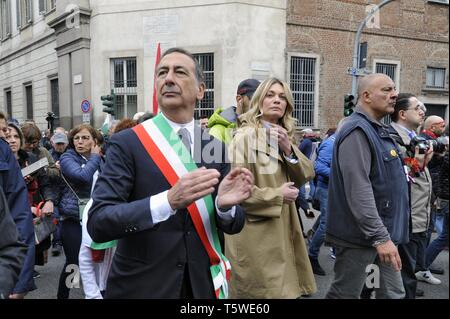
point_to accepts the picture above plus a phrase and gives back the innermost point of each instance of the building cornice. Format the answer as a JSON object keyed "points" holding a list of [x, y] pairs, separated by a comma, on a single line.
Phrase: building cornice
{"points": [[59, 23], [28, 47], [116, 6], [77, 44], [351, 27], [72, 38]]}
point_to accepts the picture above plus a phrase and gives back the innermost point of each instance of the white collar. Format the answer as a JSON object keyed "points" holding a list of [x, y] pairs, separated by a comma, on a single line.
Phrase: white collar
{"points": [[411, 133], [176, 126]]}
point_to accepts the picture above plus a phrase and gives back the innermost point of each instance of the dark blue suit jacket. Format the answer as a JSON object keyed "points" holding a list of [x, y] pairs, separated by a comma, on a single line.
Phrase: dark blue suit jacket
{"points": [[16, 193], [150, 259]]}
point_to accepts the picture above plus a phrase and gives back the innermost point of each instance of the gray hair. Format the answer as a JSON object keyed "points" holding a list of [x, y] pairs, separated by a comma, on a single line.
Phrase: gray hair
{"points": [[198, 68]]}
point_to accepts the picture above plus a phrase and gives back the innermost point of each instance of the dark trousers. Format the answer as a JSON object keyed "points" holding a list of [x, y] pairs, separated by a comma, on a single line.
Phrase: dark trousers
{"points": [[57, 233], [186, 288], [71, 240], [409, 254], [39, 257]]}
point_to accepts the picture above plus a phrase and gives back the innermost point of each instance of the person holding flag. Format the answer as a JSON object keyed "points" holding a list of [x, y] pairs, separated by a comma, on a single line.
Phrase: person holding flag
{"points": [[164, 198]]}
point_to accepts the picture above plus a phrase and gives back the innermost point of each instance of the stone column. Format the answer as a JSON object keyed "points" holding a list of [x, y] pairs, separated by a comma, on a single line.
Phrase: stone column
{"points": [[73, 50]]}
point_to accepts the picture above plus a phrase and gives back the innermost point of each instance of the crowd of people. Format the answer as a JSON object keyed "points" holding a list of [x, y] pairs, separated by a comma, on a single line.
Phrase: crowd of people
{"points": [[159, 208]]}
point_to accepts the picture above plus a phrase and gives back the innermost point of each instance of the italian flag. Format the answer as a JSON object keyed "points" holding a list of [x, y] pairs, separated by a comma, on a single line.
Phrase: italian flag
{"points": [[173, 160]]}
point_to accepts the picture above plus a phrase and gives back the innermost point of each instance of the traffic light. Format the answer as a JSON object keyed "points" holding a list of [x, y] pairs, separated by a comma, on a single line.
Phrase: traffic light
{"points": [[348, 104], [110, 103]]}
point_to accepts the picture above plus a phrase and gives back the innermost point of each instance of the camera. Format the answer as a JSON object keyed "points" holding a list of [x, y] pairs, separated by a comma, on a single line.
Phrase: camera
{"points": [[50, 117], [420, 142], [438, 144]]}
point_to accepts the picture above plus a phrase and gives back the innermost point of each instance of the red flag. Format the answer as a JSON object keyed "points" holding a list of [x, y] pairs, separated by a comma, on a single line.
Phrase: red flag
{"points": [[155, 100]]}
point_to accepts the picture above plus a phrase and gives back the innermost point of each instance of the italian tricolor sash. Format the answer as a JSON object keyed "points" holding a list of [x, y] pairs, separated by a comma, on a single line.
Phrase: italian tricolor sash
{"points": [[173, 160], [87, 240], [100, 246]]}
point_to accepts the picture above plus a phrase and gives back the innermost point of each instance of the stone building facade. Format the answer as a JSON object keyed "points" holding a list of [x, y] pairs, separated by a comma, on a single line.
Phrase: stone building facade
{"points": [[95, 47], [55, 54]]}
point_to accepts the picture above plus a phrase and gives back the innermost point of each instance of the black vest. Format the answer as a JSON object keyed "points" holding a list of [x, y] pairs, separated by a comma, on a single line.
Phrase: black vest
{"points": [[389, 185]]}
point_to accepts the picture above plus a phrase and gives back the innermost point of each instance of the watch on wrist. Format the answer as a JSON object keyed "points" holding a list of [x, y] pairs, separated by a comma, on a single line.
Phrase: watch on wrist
{"points": [[380, 242]]}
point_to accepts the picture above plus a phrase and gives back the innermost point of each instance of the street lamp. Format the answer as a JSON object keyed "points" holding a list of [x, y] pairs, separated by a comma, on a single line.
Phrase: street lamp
{"points": [[356, 47]]}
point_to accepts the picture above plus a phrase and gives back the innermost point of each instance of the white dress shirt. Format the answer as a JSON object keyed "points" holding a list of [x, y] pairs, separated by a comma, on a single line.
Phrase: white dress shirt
{"points": [[159, 203]]}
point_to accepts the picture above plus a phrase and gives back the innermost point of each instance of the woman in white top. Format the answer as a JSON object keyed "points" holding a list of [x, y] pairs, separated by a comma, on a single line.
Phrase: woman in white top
{"points": [[95, 259], [94, 263]]}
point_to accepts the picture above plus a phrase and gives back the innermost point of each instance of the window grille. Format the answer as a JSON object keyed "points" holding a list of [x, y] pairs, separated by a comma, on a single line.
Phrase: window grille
{"points": [[205, 107], [124, 85], [303, 86], [390, 70], [435, 78]]}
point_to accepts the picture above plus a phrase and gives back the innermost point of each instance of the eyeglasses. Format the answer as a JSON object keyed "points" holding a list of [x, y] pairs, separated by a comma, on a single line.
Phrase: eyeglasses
{"points": [[83, 137], [423, 108], [417, 108], [439, 124]]}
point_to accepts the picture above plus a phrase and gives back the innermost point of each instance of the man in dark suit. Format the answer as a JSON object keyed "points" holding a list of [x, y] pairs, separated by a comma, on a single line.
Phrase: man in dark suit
{"points": [[160, 253], [12, 251], [15, 190]]}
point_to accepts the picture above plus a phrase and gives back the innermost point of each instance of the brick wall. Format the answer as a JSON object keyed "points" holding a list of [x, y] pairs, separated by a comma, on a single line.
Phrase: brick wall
{"points": [[413, 32]]}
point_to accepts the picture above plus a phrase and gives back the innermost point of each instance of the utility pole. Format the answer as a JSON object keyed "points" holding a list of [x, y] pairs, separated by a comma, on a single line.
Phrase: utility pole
{"points": [[355, 71]]}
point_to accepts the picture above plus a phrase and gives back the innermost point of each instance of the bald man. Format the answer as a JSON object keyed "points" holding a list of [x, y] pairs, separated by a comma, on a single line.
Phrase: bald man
{"points": [[433, 128], [368, 198], [434, 125]]}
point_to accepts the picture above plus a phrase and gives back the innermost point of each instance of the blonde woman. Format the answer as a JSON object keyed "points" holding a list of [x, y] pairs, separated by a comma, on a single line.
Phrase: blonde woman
{"points": [[269, 257]]}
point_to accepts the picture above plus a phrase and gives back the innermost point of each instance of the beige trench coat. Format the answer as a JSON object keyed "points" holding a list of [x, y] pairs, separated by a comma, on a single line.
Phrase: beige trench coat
{"points": [[269, 257]]}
